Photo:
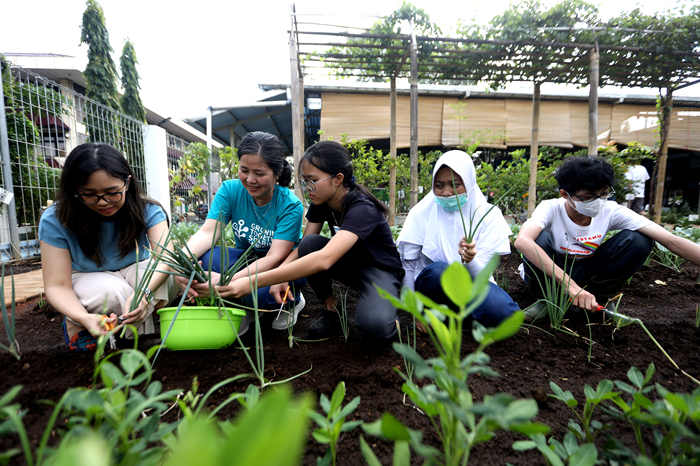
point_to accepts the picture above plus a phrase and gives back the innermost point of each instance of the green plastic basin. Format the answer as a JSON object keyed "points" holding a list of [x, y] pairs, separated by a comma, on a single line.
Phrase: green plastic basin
{"points": [[199, 328]]}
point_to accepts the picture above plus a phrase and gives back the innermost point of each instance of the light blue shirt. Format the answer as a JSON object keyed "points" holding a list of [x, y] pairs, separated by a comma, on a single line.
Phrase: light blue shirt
{"points": [[52, 232], [278, 219]]}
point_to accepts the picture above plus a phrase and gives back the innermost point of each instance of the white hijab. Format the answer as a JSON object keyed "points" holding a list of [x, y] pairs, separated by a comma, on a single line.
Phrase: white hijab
{"points": [[439, 231]]}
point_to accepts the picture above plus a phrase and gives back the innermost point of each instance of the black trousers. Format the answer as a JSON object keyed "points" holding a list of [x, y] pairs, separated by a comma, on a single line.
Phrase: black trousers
{"points": [[374, 316], [603, 274]]}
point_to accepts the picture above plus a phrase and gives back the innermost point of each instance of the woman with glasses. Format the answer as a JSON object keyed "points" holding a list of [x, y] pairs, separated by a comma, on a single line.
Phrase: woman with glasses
{"points": [[264, 213], [89, 239], [361, 252], [565, 237]]}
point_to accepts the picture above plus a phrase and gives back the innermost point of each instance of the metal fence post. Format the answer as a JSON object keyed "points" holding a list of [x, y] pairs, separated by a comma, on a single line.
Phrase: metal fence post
{"points": [[7, 177]]}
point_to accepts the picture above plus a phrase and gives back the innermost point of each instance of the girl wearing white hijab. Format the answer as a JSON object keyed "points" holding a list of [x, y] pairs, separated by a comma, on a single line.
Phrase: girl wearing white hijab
{"points": [[433, 237]]}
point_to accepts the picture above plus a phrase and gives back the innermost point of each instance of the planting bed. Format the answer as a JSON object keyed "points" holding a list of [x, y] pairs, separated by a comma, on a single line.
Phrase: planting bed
{"points": [[527, 363]]}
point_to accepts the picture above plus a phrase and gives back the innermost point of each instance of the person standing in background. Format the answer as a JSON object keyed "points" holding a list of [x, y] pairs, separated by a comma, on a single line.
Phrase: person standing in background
{"points": [[637, 176]]}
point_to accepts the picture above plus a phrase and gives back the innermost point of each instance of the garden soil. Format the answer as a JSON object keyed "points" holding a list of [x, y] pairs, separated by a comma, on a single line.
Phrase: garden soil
{"points": [[664, 300]]}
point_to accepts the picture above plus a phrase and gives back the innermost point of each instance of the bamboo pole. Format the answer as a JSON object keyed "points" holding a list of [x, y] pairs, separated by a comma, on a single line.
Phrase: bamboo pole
{"points": [[297, 122], [665, 123], [534, 151], [593, 104], [414, 122], [392, 154]]}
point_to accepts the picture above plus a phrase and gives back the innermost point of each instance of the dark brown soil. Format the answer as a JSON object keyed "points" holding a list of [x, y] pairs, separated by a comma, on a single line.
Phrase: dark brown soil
{"points": [[527, 363]]}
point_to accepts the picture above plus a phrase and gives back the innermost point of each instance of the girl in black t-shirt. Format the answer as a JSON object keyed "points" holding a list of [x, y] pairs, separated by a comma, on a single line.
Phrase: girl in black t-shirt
{"points": [[360, 253]]}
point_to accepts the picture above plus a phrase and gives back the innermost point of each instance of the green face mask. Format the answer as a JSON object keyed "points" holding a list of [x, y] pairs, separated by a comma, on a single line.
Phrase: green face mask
{"points": [[451, 203]]}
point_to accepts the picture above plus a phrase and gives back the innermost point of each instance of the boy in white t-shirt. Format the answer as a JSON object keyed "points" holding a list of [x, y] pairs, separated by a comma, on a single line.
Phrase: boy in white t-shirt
{"points": [[570, 231]]}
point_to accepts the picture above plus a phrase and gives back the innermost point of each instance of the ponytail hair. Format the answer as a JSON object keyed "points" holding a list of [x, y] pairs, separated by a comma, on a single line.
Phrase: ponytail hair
{"points": [[270, 149], [334, 158]]}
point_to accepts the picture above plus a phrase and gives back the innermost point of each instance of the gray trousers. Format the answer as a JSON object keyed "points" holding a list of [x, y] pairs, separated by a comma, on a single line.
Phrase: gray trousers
{"points": [[374, 316]]}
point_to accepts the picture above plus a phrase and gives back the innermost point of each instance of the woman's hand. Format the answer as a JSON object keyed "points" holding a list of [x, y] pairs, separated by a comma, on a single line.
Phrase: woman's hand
{"points": [[137, 314], [95, 325], [467, 250], [235, 289], [280, 292], [198, 289]]}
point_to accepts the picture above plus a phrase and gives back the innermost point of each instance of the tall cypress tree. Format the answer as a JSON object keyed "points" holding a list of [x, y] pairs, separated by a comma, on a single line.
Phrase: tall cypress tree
{"points": [[100, 75], [131, 101]]}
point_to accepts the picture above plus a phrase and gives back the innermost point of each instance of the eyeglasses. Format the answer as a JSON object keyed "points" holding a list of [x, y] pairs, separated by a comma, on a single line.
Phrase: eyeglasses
{"points": [[605, 196], [310, 185], [111, 198]]}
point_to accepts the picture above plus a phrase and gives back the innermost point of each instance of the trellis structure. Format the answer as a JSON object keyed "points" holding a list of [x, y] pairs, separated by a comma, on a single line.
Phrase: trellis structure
{"points": [[589, 60]]}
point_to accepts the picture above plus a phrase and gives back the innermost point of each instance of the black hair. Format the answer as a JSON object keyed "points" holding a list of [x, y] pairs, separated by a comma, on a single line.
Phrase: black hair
{"points": [[334, 158], [271, 150], [86, 224], [584, 173]]}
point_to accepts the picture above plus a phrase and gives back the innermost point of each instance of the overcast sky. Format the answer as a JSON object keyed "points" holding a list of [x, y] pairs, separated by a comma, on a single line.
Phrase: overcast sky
{"points": [[193, 54]]}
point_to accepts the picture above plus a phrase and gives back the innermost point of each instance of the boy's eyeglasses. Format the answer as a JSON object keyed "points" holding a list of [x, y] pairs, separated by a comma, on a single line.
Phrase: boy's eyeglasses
{"points": [[111, 198], [605, 196], [310, 185]]}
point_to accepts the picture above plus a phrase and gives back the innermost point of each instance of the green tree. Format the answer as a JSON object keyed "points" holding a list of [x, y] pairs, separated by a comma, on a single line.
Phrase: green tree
{"points": [[34, 180], [131, 100], [100, 76]]}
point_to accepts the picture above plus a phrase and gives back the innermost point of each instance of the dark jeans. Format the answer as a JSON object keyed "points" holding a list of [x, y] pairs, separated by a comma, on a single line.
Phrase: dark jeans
{"points": [[265, 299], [374, 316], [605, 272], [496, 307]]}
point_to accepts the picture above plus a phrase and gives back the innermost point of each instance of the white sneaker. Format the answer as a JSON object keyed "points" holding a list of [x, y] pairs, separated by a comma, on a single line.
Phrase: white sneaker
{"points": [[280, 322], [245, 323]]}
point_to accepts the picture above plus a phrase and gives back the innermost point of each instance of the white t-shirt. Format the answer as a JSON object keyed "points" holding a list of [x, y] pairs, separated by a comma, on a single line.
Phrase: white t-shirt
{"points": [[582, 241], [637, 174]]}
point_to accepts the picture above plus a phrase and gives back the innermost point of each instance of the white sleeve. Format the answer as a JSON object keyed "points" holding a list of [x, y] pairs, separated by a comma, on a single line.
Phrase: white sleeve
{"points": [[623, 218], [410, 261], [544, 214]]}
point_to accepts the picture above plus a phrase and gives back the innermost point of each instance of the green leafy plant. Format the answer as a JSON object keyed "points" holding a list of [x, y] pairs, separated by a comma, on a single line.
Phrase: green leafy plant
{"points": [[124, 415], [557, 453], [444, 395], [334, 422], [667, 258], [674, 419], [587, 428], [9, 320], [697, 316], [271, 431]]}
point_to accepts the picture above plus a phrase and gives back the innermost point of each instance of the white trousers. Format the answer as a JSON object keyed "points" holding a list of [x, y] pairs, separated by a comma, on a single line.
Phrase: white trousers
{"points": [[106, 293]]}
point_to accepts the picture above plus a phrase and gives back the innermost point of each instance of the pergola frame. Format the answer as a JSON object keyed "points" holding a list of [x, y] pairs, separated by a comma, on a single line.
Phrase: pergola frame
{"points": [[496, 60]]}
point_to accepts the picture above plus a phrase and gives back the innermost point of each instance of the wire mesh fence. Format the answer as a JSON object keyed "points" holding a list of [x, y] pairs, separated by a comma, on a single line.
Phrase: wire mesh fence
{"points": [[44, 122]]}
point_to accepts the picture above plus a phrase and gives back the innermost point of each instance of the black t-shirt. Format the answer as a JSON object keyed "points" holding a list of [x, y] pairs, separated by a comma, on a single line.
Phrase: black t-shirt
{"points": [[360, 216]]}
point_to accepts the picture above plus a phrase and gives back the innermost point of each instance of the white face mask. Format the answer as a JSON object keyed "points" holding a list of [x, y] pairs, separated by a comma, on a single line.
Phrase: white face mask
{"points": [[589, 208]]}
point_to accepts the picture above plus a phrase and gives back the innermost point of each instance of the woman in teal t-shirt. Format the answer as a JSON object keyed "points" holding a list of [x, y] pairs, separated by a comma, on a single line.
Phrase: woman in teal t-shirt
{"points": [[262, 211], [88, 251]]}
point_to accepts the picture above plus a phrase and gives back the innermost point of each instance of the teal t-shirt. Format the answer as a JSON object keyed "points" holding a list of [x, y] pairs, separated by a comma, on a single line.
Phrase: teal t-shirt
{"points": [[52, 232], [278, 219]]}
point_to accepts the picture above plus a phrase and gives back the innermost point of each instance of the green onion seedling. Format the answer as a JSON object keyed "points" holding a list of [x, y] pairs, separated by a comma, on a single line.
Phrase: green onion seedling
{"points": [[9, 320]]}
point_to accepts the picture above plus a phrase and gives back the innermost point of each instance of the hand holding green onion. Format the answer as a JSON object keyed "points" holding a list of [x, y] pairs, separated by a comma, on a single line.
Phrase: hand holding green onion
{"points": [[467, 250], [235, 289]]}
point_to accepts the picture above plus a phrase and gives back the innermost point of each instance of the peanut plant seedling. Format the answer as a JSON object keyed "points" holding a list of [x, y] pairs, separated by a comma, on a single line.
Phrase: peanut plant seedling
{"points": [[333, 424], [460, 421]]}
